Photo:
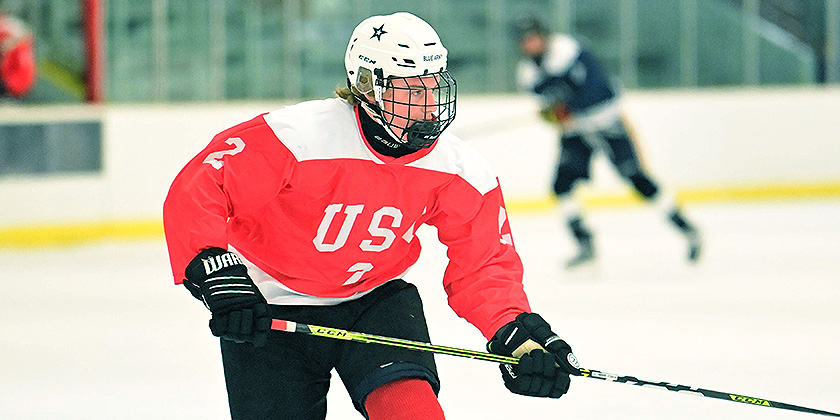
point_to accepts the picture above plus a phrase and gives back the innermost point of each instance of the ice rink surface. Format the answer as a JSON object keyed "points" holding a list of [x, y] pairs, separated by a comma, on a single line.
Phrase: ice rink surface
{"points": [[99, 332]]}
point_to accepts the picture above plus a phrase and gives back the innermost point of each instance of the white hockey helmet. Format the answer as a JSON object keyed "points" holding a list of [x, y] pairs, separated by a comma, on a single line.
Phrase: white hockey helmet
{"points": [[401, 45]]}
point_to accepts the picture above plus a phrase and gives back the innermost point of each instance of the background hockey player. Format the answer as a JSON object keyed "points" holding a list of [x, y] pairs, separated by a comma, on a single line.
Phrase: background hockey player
{"points": [[17, 57], [309, 214], [575, 93]]}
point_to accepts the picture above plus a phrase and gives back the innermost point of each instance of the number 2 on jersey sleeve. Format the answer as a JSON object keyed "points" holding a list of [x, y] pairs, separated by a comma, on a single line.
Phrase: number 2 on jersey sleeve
{"points": [[215, 158]]}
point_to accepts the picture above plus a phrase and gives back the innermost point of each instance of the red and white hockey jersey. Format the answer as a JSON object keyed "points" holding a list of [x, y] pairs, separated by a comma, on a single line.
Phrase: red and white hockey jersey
{"points": [[316, 213]]}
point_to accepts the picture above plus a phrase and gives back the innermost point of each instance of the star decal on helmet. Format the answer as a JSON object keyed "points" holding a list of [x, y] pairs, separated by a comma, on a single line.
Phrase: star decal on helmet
{"points": [[378, 32]]}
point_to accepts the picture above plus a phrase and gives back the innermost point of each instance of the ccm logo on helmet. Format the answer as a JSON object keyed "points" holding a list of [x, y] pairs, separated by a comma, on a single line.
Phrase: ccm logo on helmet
{"points": [[432, 57], [366, 59]]}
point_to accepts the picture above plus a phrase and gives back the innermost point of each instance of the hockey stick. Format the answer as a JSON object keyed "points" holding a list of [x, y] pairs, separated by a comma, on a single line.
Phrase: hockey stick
{"points": [[289, 326], [685, 389], [339, 334]]}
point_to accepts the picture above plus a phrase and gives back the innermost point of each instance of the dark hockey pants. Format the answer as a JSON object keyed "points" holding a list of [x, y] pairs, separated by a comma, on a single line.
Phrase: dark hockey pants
{"points": [[576, 152], [289, 377]]}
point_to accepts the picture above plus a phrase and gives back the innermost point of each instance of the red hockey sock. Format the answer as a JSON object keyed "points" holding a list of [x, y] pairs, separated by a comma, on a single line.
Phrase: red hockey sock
{"points": [[404, 399]]}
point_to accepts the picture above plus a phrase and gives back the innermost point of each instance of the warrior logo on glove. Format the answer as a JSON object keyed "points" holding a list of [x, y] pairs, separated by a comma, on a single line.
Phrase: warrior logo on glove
{"points": [[239, 311], [218, 262]]}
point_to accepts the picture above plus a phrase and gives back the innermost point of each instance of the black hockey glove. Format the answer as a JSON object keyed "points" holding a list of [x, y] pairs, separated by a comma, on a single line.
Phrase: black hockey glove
{"points": [[545, 361], [239, 311]]}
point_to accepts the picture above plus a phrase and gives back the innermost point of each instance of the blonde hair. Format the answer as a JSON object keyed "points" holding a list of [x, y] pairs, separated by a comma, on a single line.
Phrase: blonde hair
{"points": [[349, 94]]}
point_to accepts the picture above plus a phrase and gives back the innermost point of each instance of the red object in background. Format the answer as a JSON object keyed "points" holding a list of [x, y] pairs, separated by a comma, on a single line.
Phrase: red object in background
{"points": [[17, 57], [94, 59]]}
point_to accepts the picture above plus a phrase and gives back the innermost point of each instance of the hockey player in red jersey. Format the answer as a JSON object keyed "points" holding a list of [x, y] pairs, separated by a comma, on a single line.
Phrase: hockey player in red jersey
{"points": [[309, 214], [17, 57]]}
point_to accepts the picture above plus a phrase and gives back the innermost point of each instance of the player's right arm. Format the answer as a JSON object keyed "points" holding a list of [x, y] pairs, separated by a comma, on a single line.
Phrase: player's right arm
{"points": [[240, 170], [237, 173]]}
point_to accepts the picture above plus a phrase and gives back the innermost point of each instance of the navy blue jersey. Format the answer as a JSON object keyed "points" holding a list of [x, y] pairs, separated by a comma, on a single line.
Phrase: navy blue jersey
{"points": [[566, 73]]}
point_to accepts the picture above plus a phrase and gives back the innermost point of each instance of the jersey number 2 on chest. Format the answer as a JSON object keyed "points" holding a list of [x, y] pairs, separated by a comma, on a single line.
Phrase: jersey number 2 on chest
{"points": [[382, 237]]}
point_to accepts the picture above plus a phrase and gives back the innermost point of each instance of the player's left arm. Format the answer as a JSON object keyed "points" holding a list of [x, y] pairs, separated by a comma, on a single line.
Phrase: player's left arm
{"points": [[483, 280], [484, 285]]}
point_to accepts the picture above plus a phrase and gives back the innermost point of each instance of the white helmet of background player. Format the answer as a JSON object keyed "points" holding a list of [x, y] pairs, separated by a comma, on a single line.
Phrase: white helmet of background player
{"points": [[385, 49]]}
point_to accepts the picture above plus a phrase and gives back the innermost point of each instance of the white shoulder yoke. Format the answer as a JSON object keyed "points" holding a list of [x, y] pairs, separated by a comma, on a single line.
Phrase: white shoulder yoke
{"points": [[320, 129], [327, 129], [452, 155]]}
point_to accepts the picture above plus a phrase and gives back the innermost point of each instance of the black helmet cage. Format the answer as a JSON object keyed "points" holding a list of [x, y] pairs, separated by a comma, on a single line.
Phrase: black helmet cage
{"points": [[417, 133]]}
